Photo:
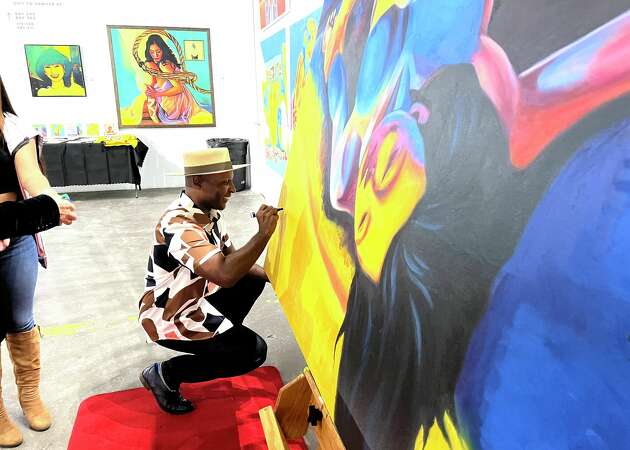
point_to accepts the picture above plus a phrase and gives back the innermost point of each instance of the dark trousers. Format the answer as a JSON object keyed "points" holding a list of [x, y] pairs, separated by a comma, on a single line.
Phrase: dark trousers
{"points": [[237, 351]]}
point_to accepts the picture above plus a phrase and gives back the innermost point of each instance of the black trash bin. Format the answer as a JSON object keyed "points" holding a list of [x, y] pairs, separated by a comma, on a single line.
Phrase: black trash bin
{"points": [[239, 154], [53, 160]]}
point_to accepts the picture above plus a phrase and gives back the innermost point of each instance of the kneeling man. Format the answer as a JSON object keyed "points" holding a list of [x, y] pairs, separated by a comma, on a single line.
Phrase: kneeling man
{"points": [[199, 287]]}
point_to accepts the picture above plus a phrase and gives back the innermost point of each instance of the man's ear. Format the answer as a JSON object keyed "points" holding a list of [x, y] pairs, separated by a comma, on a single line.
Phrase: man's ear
{"points": [[196, 181]]}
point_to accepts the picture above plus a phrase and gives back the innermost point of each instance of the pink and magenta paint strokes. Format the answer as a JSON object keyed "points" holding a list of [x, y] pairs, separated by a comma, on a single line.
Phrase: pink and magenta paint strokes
{"points": [[502, 302], [545, 100]]}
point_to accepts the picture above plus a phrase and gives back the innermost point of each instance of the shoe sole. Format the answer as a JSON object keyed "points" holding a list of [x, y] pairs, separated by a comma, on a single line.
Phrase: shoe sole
{"points": [[146, 386]]}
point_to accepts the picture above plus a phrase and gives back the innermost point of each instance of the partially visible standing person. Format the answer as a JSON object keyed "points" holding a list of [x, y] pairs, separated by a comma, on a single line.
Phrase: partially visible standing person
{"points": [[30, 216], [19, 165]]}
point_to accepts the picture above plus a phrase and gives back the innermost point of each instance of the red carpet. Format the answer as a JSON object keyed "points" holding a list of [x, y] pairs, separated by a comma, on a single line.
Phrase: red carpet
{"points": [[226, 417]]}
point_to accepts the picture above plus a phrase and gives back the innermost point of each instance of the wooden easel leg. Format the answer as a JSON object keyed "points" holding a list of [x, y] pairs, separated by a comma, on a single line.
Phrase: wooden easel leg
{"points": [[325, 429], [292, 407], [273, 434], [299, 402]]}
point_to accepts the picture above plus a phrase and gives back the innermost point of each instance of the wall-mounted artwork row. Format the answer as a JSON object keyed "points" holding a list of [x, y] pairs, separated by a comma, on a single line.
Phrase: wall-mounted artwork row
{"points": [[454, 251], [162, 76], [55, 70], [275, 101]]}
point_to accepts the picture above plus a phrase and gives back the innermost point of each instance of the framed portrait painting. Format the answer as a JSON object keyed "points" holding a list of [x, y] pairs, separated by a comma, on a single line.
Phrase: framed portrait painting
{"points": [[162, 76], [55, 70]]}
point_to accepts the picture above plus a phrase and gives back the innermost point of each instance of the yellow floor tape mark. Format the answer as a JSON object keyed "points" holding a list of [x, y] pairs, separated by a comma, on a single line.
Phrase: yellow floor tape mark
{"points": [[72, 329]]}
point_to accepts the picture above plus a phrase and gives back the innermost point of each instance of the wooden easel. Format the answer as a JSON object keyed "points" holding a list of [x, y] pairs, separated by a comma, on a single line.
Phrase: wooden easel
{"points": [[298, 405]]}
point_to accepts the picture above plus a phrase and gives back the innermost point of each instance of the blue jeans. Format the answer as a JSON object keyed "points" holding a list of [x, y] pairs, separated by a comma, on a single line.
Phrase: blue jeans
{"points": [[18, 276]]}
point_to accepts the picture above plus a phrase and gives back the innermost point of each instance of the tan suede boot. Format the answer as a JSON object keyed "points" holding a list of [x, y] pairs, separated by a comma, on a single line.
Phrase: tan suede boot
{"points": [[24, 351], [10, 436]]}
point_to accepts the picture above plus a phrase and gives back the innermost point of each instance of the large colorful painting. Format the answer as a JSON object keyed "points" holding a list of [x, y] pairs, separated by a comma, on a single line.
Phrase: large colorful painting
{"points": [[270, 11], [275, 101], [454, 255], [162, 76], [55, 70], [302, 42]]}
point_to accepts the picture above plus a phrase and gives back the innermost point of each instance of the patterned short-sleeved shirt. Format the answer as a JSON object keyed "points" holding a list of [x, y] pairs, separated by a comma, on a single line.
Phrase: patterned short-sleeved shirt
{"points": [[174, 304]]}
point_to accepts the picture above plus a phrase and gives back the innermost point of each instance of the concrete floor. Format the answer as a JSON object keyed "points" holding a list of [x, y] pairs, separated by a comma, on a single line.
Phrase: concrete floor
{"points": [[86, 304]]}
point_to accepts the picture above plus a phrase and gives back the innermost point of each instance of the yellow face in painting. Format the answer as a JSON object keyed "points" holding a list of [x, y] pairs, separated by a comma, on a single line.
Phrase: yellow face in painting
{"points": [[391, 181], [310, 36], [156, 53], [55, 72]]}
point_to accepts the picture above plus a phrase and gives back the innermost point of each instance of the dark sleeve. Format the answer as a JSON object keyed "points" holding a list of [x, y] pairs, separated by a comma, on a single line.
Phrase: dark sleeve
{"points": [[28, 216]]}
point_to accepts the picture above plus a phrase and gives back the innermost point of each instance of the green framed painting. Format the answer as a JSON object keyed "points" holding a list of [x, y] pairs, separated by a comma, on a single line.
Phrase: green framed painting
{"points": [[162, 76], [55, 70]]}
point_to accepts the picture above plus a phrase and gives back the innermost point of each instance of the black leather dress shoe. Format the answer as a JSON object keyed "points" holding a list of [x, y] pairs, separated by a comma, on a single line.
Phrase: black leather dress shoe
{"points": [[168, 399]]}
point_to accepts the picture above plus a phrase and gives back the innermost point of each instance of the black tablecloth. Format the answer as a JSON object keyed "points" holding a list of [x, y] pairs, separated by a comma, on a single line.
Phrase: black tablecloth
{"points": [[80, 163]]}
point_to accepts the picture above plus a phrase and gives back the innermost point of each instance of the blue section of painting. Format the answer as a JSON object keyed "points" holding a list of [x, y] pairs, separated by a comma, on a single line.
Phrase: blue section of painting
{"points": [[127, 91], [272, 46], [548, 366]]}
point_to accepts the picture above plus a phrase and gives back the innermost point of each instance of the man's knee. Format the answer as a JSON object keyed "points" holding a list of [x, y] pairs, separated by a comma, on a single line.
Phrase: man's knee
{"points": [[249, 287], [257, 286]]}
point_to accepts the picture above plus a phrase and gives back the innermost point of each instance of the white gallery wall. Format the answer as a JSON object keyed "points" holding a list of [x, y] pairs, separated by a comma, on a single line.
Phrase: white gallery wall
{"points": [[75, 22], [237, 66]]}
